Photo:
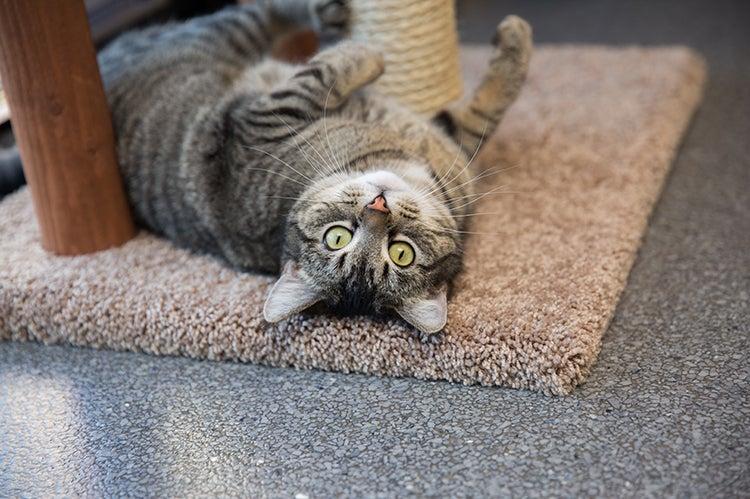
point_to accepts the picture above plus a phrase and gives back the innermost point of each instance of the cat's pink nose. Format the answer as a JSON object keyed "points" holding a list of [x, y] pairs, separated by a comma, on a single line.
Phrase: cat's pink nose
{"points": [[379, 204]]}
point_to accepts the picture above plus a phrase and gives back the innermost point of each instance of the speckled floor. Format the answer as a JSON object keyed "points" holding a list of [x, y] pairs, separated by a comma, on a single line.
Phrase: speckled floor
{"points": [[665, 412]]}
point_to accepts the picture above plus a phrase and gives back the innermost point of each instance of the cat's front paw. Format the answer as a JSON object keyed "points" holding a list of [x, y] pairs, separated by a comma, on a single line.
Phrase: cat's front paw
{"points": [[349, 66], [330, 17], [513, 41], [359, 63]]}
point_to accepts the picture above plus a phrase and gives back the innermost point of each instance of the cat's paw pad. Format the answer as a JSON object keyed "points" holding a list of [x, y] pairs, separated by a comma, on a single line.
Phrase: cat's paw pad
{"points": [[513, 38], [330, 17]]}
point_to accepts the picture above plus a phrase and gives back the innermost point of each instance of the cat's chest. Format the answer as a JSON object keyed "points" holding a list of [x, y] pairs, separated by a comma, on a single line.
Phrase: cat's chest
{"points": [[372, 108], [424, 138]]}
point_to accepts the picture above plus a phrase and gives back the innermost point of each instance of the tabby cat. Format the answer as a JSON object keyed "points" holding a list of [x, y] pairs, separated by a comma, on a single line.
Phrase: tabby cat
{"points": [[301, 169]]}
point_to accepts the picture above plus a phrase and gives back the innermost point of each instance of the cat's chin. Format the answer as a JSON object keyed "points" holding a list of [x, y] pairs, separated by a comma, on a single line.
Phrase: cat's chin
{"points": [[384, 180]]}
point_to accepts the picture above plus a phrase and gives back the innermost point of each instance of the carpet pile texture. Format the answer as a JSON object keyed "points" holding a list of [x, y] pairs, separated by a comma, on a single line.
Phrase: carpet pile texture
{"points": [[587, 148]]}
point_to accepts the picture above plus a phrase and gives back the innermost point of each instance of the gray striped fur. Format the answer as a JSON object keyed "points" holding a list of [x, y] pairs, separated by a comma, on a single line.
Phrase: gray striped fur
{"points": [[227, 152]]}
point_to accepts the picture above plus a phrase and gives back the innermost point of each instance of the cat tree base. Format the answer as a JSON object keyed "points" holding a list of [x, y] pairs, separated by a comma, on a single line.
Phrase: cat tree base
{"points": [[542, 277]]}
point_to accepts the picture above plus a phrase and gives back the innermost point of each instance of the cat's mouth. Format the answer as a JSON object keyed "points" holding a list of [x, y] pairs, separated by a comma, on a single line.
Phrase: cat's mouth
{"points": [[384, 181]]}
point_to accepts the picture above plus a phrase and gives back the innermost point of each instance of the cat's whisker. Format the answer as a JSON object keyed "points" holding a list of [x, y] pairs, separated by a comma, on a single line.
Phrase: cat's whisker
{"points": [[466, 200], [446, 183], [480, 233], [290, 198], [325, 128], [467, 182], [438, 227], [483, 175], [254, 148], [487, 173], [473, 156], [326, 164], [306, 158], [456, 199], [480, 197], [467, 215], [469, 200], [345, 160], [296, 133], [450, 230], [450, 168], [300, 199], [279, 174]]}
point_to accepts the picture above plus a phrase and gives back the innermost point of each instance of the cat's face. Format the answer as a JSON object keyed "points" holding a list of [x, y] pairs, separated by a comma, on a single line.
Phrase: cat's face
{"points": [[370, 242]]}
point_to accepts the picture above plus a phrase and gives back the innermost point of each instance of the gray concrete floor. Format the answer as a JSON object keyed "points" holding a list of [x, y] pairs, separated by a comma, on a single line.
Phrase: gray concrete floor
{"points": [[665, 412]]}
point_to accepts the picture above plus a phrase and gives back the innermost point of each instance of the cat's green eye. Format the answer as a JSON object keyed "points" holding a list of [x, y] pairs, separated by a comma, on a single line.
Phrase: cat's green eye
{"points": [[337, 237], [402, 254]]}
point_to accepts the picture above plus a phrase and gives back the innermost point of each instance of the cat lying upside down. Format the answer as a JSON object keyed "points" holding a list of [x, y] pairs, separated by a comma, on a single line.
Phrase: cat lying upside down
{"points": [[358, 202]]}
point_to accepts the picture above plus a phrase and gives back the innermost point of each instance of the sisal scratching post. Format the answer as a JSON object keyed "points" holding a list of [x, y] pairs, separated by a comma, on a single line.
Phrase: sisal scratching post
{"points": [[419, 42]]}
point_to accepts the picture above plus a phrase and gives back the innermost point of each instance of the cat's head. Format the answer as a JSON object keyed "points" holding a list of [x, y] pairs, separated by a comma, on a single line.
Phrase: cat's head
{"points": [[372, 241]]}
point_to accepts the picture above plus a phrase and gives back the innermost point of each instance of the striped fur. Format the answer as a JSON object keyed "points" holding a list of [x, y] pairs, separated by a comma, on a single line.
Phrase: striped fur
{"points": [[227, 152]]}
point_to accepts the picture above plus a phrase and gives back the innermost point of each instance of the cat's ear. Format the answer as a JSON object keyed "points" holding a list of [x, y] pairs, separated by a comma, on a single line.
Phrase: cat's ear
{"points": [[428, 314], [289, 295]]}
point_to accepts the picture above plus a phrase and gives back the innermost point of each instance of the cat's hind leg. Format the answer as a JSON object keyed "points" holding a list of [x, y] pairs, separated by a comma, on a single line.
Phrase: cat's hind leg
{"points": [[327, 17], [472, 121], [242, 35]]}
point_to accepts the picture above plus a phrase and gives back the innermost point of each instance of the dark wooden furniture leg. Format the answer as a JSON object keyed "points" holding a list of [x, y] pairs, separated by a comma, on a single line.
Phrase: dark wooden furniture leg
{"points": [[62, 125]]}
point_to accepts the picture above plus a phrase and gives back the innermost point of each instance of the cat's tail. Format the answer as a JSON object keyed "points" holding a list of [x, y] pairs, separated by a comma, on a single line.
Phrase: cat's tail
{"points": [[11, 172]]}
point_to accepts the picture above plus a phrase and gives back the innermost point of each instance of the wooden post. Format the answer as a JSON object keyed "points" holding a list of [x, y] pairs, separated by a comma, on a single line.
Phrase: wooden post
{"points": [[62, 125]]}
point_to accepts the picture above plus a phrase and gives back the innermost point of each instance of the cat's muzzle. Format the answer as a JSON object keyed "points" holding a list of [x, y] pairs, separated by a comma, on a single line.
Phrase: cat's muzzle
{"points": [[379, 204]]}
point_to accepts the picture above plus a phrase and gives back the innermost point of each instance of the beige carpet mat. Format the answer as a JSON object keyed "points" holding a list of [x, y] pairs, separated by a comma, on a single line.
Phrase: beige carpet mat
{"points": [[591, 137]]}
